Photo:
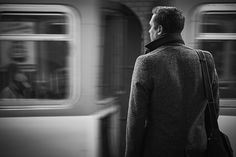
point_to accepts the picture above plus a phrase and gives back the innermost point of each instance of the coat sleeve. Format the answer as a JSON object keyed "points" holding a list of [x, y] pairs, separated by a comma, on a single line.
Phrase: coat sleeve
{"points": [[137, 111]]}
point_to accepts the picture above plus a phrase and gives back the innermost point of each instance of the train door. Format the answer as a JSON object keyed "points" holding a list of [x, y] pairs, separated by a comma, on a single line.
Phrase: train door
{"points": [[122, 45]]}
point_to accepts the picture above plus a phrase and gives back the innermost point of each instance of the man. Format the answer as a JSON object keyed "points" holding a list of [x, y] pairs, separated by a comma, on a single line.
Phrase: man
{"points": [[166, 106], [17, 87]]}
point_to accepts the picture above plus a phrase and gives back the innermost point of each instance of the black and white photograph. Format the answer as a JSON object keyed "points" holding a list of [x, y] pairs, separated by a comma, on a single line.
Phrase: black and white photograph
{"points": [[117, 78]]}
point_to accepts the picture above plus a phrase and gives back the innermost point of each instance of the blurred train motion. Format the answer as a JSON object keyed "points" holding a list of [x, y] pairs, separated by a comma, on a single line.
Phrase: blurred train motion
{"points": [[66, 67]]}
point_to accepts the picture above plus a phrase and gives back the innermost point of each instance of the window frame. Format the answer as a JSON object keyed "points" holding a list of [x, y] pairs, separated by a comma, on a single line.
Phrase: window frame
{"points": [[72, 36], [225, 103]]}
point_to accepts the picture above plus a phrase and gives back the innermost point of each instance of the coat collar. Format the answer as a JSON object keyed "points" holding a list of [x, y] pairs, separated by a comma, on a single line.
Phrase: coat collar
{"points": [[163, 40]]}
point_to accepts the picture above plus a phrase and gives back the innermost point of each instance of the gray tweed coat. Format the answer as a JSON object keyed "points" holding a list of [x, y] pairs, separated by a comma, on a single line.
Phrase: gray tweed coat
{"points": [[166, 106]]}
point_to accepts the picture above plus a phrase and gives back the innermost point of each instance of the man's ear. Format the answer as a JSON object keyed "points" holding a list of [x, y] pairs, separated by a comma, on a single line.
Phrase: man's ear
{"points": [[159, 30]]}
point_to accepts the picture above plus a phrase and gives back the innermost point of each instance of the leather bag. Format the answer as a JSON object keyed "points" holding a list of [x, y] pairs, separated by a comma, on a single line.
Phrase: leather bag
{"points": [[218, 144]]}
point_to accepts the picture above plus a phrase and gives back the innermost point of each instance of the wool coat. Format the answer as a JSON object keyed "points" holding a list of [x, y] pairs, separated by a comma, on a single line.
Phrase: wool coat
{"points": [[167, 101]]}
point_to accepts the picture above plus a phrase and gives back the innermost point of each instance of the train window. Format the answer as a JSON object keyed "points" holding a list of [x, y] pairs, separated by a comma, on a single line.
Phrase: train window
{"points": [[218, 22], [35, 53], [217, 34], [33, 23]]}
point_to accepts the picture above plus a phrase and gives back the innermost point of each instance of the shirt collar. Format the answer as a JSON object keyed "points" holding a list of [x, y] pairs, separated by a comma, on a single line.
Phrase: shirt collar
{"points": [[163, 40]]}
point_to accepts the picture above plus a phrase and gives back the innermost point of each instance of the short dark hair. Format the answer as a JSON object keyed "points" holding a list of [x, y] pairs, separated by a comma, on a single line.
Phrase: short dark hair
{"points": [[170, 18]]}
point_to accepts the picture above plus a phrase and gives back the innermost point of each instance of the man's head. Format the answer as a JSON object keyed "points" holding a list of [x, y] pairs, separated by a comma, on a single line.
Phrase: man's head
{"points": [[21, 81], [165, 20]]}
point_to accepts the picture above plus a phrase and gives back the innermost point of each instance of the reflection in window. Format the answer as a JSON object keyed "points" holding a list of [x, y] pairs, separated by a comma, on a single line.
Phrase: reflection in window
{"points": [[44, 65], [34, 69]]}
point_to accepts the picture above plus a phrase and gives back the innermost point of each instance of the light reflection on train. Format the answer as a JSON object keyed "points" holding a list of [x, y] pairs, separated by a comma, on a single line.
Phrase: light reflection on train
{"points": [[65, 70]]}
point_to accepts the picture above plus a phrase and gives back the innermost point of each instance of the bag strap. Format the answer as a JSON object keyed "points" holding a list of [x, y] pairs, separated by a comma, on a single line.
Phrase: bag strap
{"points": [[210, 111]]}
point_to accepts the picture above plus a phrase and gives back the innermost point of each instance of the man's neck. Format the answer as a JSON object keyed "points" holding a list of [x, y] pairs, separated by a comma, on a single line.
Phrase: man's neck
{"points": [[163, 40]]}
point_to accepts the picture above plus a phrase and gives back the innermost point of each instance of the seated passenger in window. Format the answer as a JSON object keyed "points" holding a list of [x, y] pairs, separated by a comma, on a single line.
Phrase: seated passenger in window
{"points": [[17, 87]]}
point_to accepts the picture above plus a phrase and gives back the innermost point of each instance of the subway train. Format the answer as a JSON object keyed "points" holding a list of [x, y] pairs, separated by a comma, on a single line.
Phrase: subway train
{"points": [[74, 60]]}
